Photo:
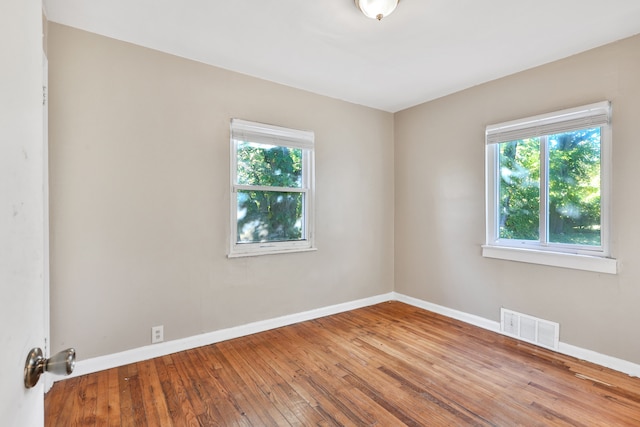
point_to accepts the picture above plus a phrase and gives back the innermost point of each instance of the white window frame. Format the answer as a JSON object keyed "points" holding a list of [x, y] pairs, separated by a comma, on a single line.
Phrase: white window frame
{"points": [[588, 258], [243, 130]]}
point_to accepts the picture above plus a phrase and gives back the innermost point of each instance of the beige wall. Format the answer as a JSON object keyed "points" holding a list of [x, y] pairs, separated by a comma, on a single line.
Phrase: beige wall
{"points": [[439, 197], [139, 199], [139, 161]]}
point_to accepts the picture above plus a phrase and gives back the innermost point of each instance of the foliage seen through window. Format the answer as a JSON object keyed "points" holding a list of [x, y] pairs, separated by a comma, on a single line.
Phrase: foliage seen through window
{"points": [[573, 185], [265, 215]]}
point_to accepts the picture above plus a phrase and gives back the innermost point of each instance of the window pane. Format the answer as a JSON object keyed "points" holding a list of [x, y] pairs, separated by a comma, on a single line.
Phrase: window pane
{"points": [[269, 216], [269, 165], [574, 187], [519, 189]]}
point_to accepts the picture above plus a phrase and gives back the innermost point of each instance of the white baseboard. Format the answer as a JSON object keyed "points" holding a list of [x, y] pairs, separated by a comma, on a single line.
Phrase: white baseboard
{"points": [[449, 312], [611, 362], [620, 365], [101, 363], [139, 354]]}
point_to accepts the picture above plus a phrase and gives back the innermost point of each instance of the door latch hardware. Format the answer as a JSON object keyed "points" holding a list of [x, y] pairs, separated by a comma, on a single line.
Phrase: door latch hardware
{"points": [[36, 364]]}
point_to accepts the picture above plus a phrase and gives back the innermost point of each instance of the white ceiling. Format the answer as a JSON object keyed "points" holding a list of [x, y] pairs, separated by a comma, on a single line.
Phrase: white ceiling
{"points": [[424, 50]]}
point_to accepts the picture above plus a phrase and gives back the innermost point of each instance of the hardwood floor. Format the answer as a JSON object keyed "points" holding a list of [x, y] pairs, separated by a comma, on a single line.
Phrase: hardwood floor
{"points": [[388, 365]]}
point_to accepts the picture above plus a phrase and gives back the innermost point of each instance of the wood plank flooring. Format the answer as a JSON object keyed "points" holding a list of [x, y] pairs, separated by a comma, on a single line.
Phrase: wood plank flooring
{"points": [[387, 365]]}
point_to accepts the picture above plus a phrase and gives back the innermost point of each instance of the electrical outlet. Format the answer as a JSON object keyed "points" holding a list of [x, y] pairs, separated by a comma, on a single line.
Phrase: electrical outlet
{"points": [[157, 334]]}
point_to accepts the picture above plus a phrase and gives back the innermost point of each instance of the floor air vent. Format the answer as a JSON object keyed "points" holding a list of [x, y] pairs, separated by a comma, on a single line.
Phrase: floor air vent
{"points": [[530, 329]]}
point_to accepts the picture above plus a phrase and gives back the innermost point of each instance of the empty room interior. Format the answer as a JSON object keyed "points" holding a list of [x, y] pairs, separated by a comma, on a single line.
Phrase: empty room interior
{"points": [[431, 204]]}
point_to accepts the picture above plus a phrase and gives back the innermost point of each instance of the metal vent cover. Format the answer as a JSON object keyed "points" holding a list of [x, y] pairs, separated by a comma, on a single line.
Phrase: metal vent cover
{"points": [[530, 329]]}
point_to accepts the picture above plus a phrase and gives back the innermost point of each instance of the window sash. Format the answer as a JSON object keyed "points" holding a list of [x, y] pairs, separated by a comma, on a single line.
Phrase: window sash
{"points": [[304, 233], [274, 189], [550, 124], [245, 131]]}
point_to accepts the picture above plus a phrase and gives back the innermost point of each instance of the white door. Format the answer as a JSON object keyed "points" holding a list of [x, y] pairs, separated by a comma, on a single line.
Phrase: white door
{"points": [[22, 235]]}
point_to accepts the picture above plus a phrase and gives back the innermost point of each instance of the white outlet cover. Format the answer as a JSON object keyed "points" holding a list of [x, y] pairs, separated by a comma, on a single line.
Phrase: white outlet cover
{"points": [[157, 334]]}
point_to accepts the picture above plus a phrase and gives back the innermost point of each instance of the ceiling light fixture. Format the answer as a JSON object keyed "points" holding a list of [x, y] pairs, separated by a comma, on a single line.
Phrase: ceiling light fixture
{"points": [[377, 9]]}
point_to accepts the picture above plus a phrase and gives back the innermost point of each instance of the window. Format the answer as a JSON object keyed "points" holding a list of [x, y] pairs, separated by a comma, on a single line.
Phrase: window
{"points": [[272, 189], [548, 188]]}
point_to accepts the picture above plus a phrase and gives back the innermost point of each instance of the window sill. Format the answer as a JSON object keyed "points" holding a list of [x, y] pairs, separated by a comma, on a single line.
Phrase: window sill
{"points": [[554, 259], [269, 252]]}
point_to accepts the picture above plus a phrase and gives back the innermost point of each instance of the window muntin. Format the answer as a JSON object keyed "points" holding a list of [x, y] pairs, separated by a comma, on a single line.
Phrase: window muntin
{"points": [[272, 189], [547, 182]]}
